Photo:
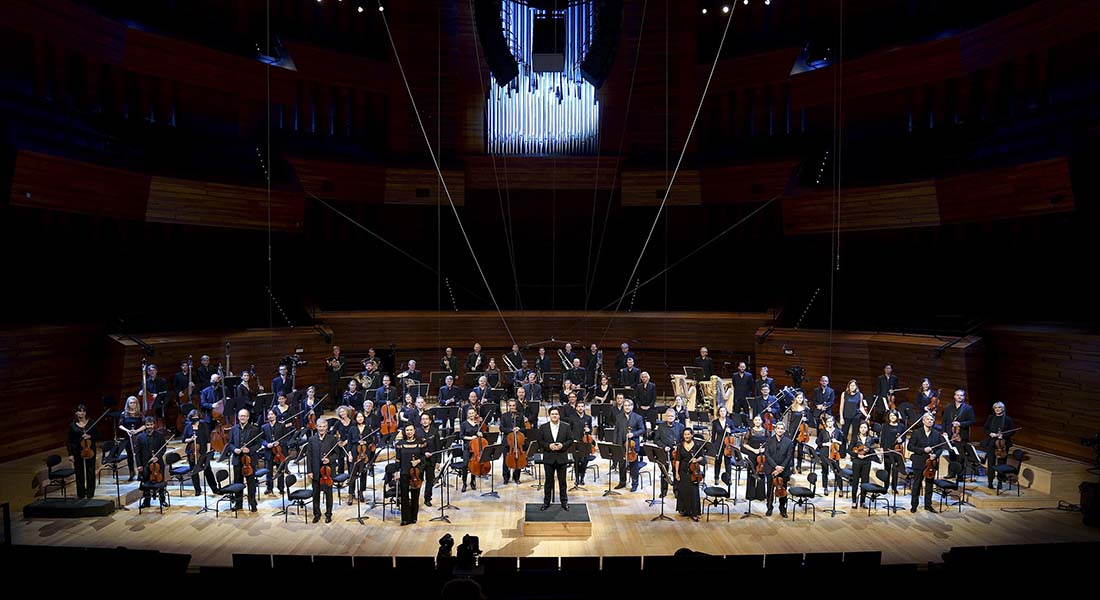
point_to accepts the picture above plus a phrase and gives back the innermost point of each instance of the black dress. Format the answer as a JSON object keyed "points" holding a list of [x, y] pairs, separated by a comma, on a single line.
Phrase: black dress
{"points": [[755, 487], [687, 492]]}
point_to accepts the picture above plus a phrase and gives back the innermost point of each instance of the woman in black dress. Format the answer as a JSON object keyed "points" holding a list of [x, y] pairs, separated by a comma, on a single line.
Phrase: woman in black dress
{"points": [[603, 391], [753, 446], [893, 432], [79, 431], [132, 421], [862, 454], [469, 430], [687, 491], [492, 373], [720, 428]]}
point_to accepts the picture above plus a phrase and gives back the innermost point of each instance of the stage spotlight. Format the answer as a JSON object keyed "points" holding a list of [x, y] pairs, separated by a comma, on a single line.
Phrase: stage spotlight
{"points": [[767, 2], [704, 11], [725, 10], [360, 9], [381, 8], [746, 3]]}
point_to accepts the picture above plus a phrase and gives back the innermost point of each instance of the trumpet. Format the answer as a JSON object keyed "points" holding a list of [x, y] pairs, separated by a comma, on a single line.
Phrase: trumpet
{"points": [[508, 363], [565, 364]]}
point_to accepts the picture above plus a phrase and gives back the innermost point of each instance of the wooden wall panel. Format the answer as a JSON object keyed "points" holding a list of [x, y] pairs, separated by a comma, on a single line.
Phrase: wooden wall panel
{"points": [[53, 183], [756, 182], [647, 188], [335, 67], [422, 186], [536, 173], [1019, 191], [222, 205], [881, 207], [1048, 377], [351, 182], [861, 356], [45, 371]]}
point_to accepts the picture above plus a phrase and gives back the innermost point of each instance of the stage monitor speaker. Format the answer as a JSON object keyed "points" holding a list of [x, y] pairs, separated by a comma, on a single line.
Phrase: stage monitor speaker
{"points": [[490, 31], [597, 63], [68, 509]]}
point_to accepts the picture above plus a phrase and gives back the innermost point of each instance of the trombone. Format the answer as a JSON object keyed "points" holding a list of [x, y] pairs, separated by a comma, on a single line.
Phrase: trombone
{"points": [[508, 363], [565, 364]]}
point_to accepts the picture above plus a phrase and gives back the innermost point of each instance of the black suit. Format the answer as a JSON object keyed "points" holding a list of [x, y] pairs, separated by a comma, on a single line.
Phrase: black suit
{"points": [[620, 359], [742, 388], [918, 441], [316, 450], [995, 424], [508, 423], [706, 364], [554, 462], [668, 437], [825, 397], [777, 452], [623, 425], [964, 414], [629, 377], [242, 437], [645, 397], [146, 446]]}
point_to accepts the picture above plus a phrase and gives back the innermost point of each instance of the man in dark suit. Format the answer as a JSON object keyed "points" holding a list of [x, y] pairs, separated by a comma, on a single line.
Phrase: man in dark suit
{"points": [[629, 425], [282, 383], [593, 364], [533, 391], [622, 357], [582, 425], [922, 443], [577, 374], [149, 447], [334, 369], [211, 395], [998, 426], [743, 388], [319, 452], [204, 370], [449, 362], [476, 361], [513, 420], [515, 357], [645, 397], [428, 434], [884, 388], [824, 398], [959, 414], [556, 440], [667, 436], [244, 440], [705, 362], [764, 380], [778, 455], [629, 375]]}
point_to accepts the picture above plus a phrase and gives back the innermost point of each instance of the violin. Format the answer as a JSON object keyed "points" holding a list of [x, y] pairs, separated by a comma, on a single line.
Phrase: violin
{"points": [[156, 471], [696, 472], [588, 439], [834, 451], [780, 486], [769, 421], [934, 402], [760, 459], [631, 450], [956, 435], [326, 475], [728, 445], [246, 465], [1000, 446], [277, 455], [803, 435], [415, 478]]}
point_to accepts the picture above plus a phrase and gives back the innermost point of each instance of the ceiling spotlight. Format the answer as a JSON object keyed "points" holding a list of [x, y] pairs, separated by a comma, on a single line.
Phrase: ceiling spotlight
{"points": [[767, 2], [360, 9], [704, 11], [746, 3], [381, 8], [725, 10]]}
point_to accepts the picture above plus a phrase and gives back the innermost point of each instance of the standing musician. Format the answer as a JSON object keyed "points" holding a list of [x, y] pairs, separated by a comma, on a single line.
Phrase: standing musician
{"points": [[512, 421], [958, 415], [204, 370], [475, 362], [603, 391], [850, 403], [569, 353], [645, 396], [410, 453], [311, 405], [629, 375], [132, 422], [273, 431], [352, 397], [582, 427], [921, 402], [778, 453], [520, 376], [922, 443], [862, 452], [705, 362], [542, 363], [764, 380], [556, 440], [361, 436], [515, 356], [196, 434], [567, 389], [629, 426], [754, 445], [998, 426], [530, 410], [684, 453], [370, 377], [824, 398], [428, 435], [492, 373], [242, 396], [183, 382], [578, 374], [334, 368], [721, 428], [412, 377], [373, 420], [533, 389], [799, 413], [893, 436], [743, 388], [409, 414], [622, 357], [593, 365], [244, 441], [448, 396], [485, 409], [150, 445], [828, 437], [681, 410], [387, 394], [85, 467], [885, 385], [319, 452], [449, 363], [765, 402], [469, 430], [668, 434], [283, 411], [153, 383], [282, 382], [342, 429]]}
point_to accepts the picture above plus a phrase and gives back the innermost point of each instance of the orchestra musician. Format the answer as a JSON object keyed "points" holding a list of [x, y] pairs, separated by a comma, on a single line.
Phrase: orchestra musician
{"points": [[668, 435], [319, 452], [515, 356], [311, 405], [196, 432], [764, 402], [79, 430], [799, 413], [959, 414], [512, 421], [645, 396], [824, 398], [412, 377], [556, 440], [705, 362], [542, 363], [629, 376], [204, 370], [922, 444], [242, 396], [449, 362], [892, 434], [386, 394], [492, 373], [603, 391], [885, 385], [861, 450], [273, 431], [998, 426], [764, 380], [183, 382], [410, 453], [448, 396], [684, 453], [283, 411], [370, 378], [469, 430], [622, 358], [520, 376], [851, 400], [753, 445], [282, 382], [569, 353], [533, 389], [827, 437], [743, 389], [244, 439], [475, 362], [132, 422], [342, 429], [923, 399], [778, 453], [150, 447], [334, 368], [593, 365], [582, 426], [428, 435], [352, 397], [628, 426], [721, 427], [530, 409]]}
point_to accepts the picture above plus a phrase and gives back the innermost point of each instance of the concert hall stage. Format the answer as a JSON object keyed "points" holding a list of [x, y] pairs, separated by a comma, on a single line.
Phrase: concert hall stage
{"points": [[620, 525]]}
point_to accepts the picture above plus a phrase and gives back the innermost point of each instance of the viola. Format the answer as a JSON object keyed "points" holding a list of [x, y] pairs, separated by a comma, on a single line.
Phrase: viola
{"points": [[696, 472], [415, 478], [933, 405], [1000, 448], [156, 473], [246, 465], [769, 422], [930, 467], [956, 434], [277, 455], [728, 445], [780, 487], [326, 475], [803, 433], [87, 448], [588, 439], [760, 459], [834, 451], [632, 450], [859, 450], [311, 421]]}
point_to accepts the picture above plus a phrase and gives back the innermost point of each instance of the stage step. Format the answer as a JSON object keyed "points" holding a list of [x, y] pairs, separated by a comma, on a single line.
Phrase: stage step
{"points": [[555, 522]]}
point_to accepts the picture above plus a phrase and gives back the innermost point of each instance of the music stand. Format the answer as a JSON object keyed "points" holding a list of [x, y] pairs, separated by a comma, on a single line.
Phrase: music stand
{"points": [[469, 380], [355, 472], [602, 415], [585, 450], [492, 402], [628, 393], [658, 457], [230, 384], [694, 373], [835, 464], [445, 451], [264, 401], [614, 454], [491, 454], [158, 404], [280, 473], [437, 379], [550, 381], [204, 462], [698, 417]]}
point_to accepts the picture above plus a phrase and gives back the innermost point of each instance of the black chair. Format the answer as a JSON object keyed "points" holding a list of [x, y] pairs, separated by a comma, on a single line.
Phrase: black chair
{"points": [[717, 496], [803, 496], [949, 484], [178, 473], [844, 480], [1010, 472], [339, 482], [229, 493], [874, 490], [297, 498], [390, 496], [56, 477]]}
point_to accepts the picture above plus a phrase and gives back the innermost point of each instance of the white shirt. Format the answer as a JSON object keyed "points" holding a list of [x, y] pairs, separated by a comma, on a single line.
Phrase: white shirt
{"points": [[554, 430]]}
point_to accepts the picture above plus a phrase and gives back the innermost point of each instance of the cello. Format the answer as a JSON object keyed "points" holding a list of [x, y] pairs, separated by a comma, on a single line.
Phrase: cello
{"points": [[516, 458], [477, 446], [389, 419]]}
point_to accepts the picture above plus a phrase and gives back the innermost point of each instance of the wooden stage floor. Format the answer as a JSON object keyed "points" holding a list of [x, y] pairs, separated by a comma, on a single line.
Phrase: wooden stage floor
{"points": [[621, 525]]}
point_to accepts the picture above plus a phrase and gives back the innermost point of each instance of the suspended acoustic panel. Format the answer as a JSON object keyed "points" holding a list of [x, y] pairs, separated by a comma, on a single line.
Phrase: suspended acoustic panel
{"points": [[490, 31], [608, 30]]}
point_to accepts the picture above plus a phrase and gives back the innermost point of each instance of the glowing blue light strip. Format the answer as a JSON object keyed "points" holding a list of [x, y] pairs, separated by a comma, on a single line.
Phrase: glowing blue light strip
{"points": [[543, 113]]}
